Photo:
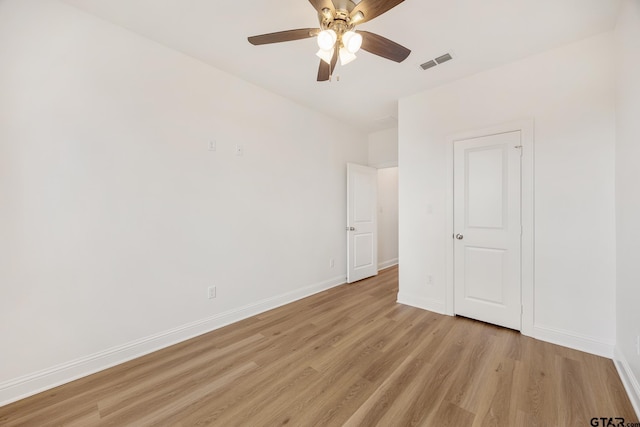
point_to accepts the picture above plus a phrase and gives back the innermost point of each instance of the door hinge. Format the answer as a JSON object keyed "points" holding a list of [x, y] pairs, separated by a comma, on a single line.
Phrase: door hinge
{"points": [[520, 148]]}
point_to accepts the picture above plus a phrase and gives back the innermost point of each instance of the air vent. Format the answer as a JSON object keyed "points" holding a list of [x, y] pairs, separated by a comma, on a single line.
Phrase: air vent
{"points": [[428, 64], [437, 61], [444, 58]]}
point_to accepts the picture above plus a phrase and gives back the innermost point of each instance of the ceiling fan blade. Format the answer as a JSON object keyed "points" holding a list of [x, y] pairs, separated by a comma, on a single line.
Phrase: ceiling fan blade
{"points": [[284, 36], [373, 8], [383, 47], [321, 4], [325, 70]]}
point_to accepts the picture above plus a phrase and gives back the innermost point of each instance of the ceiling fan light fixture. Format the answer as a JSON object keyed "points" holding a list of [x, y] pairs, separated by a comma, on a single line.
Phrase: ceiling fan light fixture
{"points": [[327, 39], [346, 56], [325, 55], [352, 41], [336, 36]]}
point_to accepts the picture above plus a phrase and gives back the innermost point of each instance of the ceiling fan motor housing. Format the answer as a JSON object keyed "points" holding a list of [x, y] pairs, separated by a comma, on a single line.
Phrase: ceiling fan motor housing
{"points": [[340, 22], [346, 5]]}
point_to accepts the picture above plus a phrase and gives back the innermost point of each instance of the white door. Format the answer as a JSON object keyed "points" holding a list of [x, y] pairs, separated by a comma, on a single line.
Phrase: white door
{"points": [[362, 224], [487, 229]]}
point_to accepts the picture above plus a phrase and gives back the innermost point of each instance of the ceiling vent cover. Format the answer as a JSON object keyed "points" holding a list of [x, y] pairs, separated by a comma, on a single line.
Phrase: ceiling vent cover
{"points": [[428, 64], [444, 58], [437, 61]]}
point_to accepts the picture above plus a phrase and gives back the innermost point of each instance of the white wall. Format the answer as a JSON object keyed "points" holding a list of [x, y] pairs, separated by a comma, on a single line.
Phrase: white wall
{"points": [[628, 197], [569, 93], [115, 217], [383, 148], [387, 217]]}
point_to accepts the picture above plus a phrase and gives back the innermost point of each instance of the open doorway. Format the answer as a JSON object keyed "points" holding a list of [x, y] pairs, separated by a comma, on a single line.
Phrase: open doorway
{"points": [[387, 217], [383, 155]]}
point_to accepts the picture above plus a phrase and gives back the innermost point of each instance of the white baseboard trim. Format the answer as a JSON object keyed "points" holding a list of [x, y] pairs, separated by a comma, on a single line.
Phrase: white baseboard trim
{"points": [[629, 380], [543, 333], [386, 264], [423, 303], [573, 340], [28, 385]]}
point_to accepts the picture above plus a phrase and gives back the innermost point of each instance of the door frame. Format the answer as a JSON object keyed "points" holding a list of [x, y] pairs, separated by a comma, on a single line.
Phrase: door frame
{"points": [[526, 128]]}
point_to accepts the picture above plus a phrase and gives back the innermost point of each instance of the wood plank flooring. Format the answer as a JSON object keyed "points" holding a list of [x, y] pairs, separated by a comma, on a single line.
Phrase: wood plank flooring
{"points": [[348, 356]]}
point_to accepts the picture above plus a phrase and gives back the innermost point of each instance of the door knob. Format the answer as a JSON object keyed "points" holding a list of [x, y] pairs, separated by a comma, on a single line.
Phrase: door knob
{"points": [[351, 229], [459, 236]]}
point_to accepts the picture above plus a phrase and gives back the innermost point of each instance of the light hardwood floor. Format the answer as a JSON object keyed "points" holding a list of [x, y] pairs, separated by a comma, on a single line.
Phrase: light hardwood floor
{"points": [[347, 356]]}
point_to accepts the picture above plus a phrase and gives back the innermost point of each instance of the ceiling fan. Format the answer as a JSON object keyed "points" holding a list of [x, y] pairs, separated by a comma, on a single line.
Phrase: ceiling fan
{"points": [[337, 37]]}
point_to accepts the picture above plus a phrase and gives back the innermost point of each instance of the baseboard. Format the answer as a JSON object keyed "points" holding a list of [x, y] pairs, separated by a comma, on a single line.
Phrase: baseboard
{"points": [[543, 333], [386, 264], [423, 303], [28, 385], [573, 340], [629, 380]]}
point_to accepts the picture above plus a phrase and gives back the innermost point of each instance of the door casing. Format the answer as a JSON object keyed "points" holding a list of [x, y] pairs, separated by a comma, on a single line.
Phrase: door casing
{"points": [[526, 127], [487, 256]]}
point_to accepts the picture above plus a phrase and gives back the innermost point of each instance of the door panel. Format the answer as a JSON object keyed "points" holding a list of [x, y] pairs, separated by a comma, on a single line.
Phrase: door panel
{"points": [[362, 196], [363, 255], [485, 187], [362, 226], [484, 281], [487, 229]]}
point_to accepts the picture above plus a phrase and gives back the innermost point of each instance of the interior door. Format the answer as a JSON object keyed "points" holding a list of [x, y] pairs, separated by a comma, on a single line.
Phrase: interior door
{"points": [[487, 229], [362, 224]]}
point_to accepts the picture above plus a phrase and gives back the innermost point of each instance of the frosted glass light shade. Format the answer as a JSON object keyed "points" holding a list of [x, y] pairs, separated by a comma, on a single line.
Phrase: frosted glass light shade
{"points": [[325, 55], [346, 56], [326, 39], [352, 41], [357, 17]]}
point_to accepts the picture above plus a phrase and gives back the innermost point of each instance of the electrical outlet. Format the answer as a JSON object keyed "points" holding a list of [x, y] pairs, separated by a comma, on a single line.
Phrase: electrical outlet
{"points": [[429, 280], [212, 145], [638, 345], [331, 263], [211, 292], [239, 150]]}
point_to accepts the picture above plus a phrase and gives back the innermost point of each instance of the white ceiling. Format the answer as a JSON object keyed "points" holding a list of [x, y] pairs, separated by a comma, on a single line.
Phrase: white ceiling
{"points": [[480, 34]]}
